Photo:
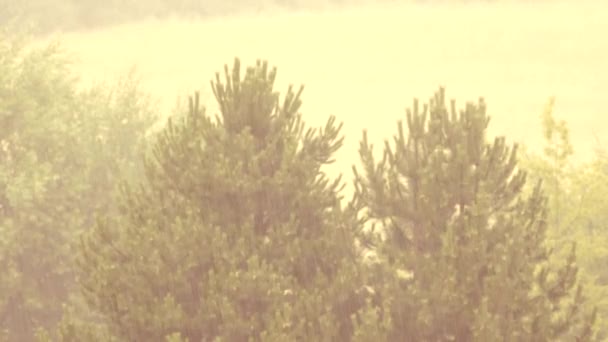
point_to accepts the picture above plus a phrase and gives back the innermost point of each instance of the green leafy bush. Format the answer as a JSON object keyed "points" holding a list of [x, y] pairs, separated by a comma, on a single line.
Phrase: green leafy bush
{"points": [[61, 152], [577, 209]]}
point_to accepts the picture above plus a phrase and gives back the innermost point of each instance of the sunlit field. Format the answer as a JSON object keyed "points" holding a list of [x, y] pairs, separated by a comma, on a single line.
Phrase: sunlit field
{"points": [[366, 65]]}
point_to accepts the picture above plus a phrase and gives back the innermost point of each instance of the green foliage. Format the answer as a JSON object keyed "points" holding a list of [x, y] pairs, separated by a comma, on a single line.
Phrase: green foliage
{"points": [[74, 328], [55, 173], [461, 251], [236, 233], [577, 208]]}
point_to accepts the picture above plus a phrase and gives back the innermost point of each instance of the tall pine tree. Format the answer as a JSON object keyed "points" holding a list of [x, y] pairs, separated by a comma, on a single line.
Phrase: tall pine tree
{"points": [[461, 254], [236, 233]]}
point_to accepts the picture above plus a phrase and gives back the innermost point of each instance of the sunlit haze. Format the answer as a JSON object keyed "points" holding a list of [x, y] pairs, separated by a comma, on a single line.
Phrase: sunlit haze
{"points": [[366, 64]]}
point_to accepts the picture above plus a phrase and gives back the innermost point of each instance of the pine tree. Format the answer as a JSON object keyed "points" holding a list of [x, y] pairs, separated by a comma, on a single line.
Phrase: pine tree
{"points": [[236, 233], [461, 253]]}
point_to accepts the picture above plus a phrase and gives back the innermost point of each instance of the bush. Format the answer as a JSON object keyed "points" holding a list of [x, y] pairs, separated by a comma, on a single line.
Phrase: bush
{"points": [[61, 152]]}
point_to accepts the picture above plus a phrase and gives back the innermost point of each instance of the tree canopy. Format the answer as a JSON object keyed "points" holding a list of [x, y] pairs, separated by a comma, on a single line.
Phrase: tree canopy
{"points": [[226, 227], [236, 233], [454, 216]]}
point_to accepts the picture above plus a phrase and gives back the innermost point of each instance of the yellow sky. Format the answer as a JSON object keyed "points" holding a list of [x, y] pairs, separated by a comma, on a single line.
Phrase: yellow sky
{"points": [[366, 65]]}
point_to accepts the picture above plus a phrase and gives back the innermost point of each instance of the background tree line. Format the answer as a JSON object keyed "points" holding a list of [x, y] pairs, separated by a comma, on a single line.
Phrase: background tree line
{"points": [[46, 16], [226, 228]]}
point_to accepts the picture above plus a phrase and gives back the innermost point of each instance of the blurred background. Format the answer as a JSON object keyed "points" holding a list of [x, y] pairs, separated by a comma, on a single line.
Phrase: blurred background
{"points": [[363, 61]]}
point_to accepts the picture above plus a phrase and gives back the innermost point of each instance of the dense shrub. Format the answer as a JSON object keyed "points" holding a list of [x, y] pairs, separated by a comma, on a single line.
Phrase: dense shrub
{"points": [[62, 151]]}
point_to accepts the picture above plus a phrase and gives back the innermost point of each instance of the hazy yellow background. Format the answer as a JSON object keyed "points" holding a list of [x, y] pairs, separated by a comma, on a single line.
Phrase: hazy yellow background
{"points": [[365, 65]]}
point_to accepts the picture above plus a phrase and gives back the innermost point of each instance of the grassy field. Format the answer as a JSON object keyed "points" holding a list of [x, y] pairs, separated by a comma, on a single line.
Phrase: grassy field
{"points": [[365, 65]]}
